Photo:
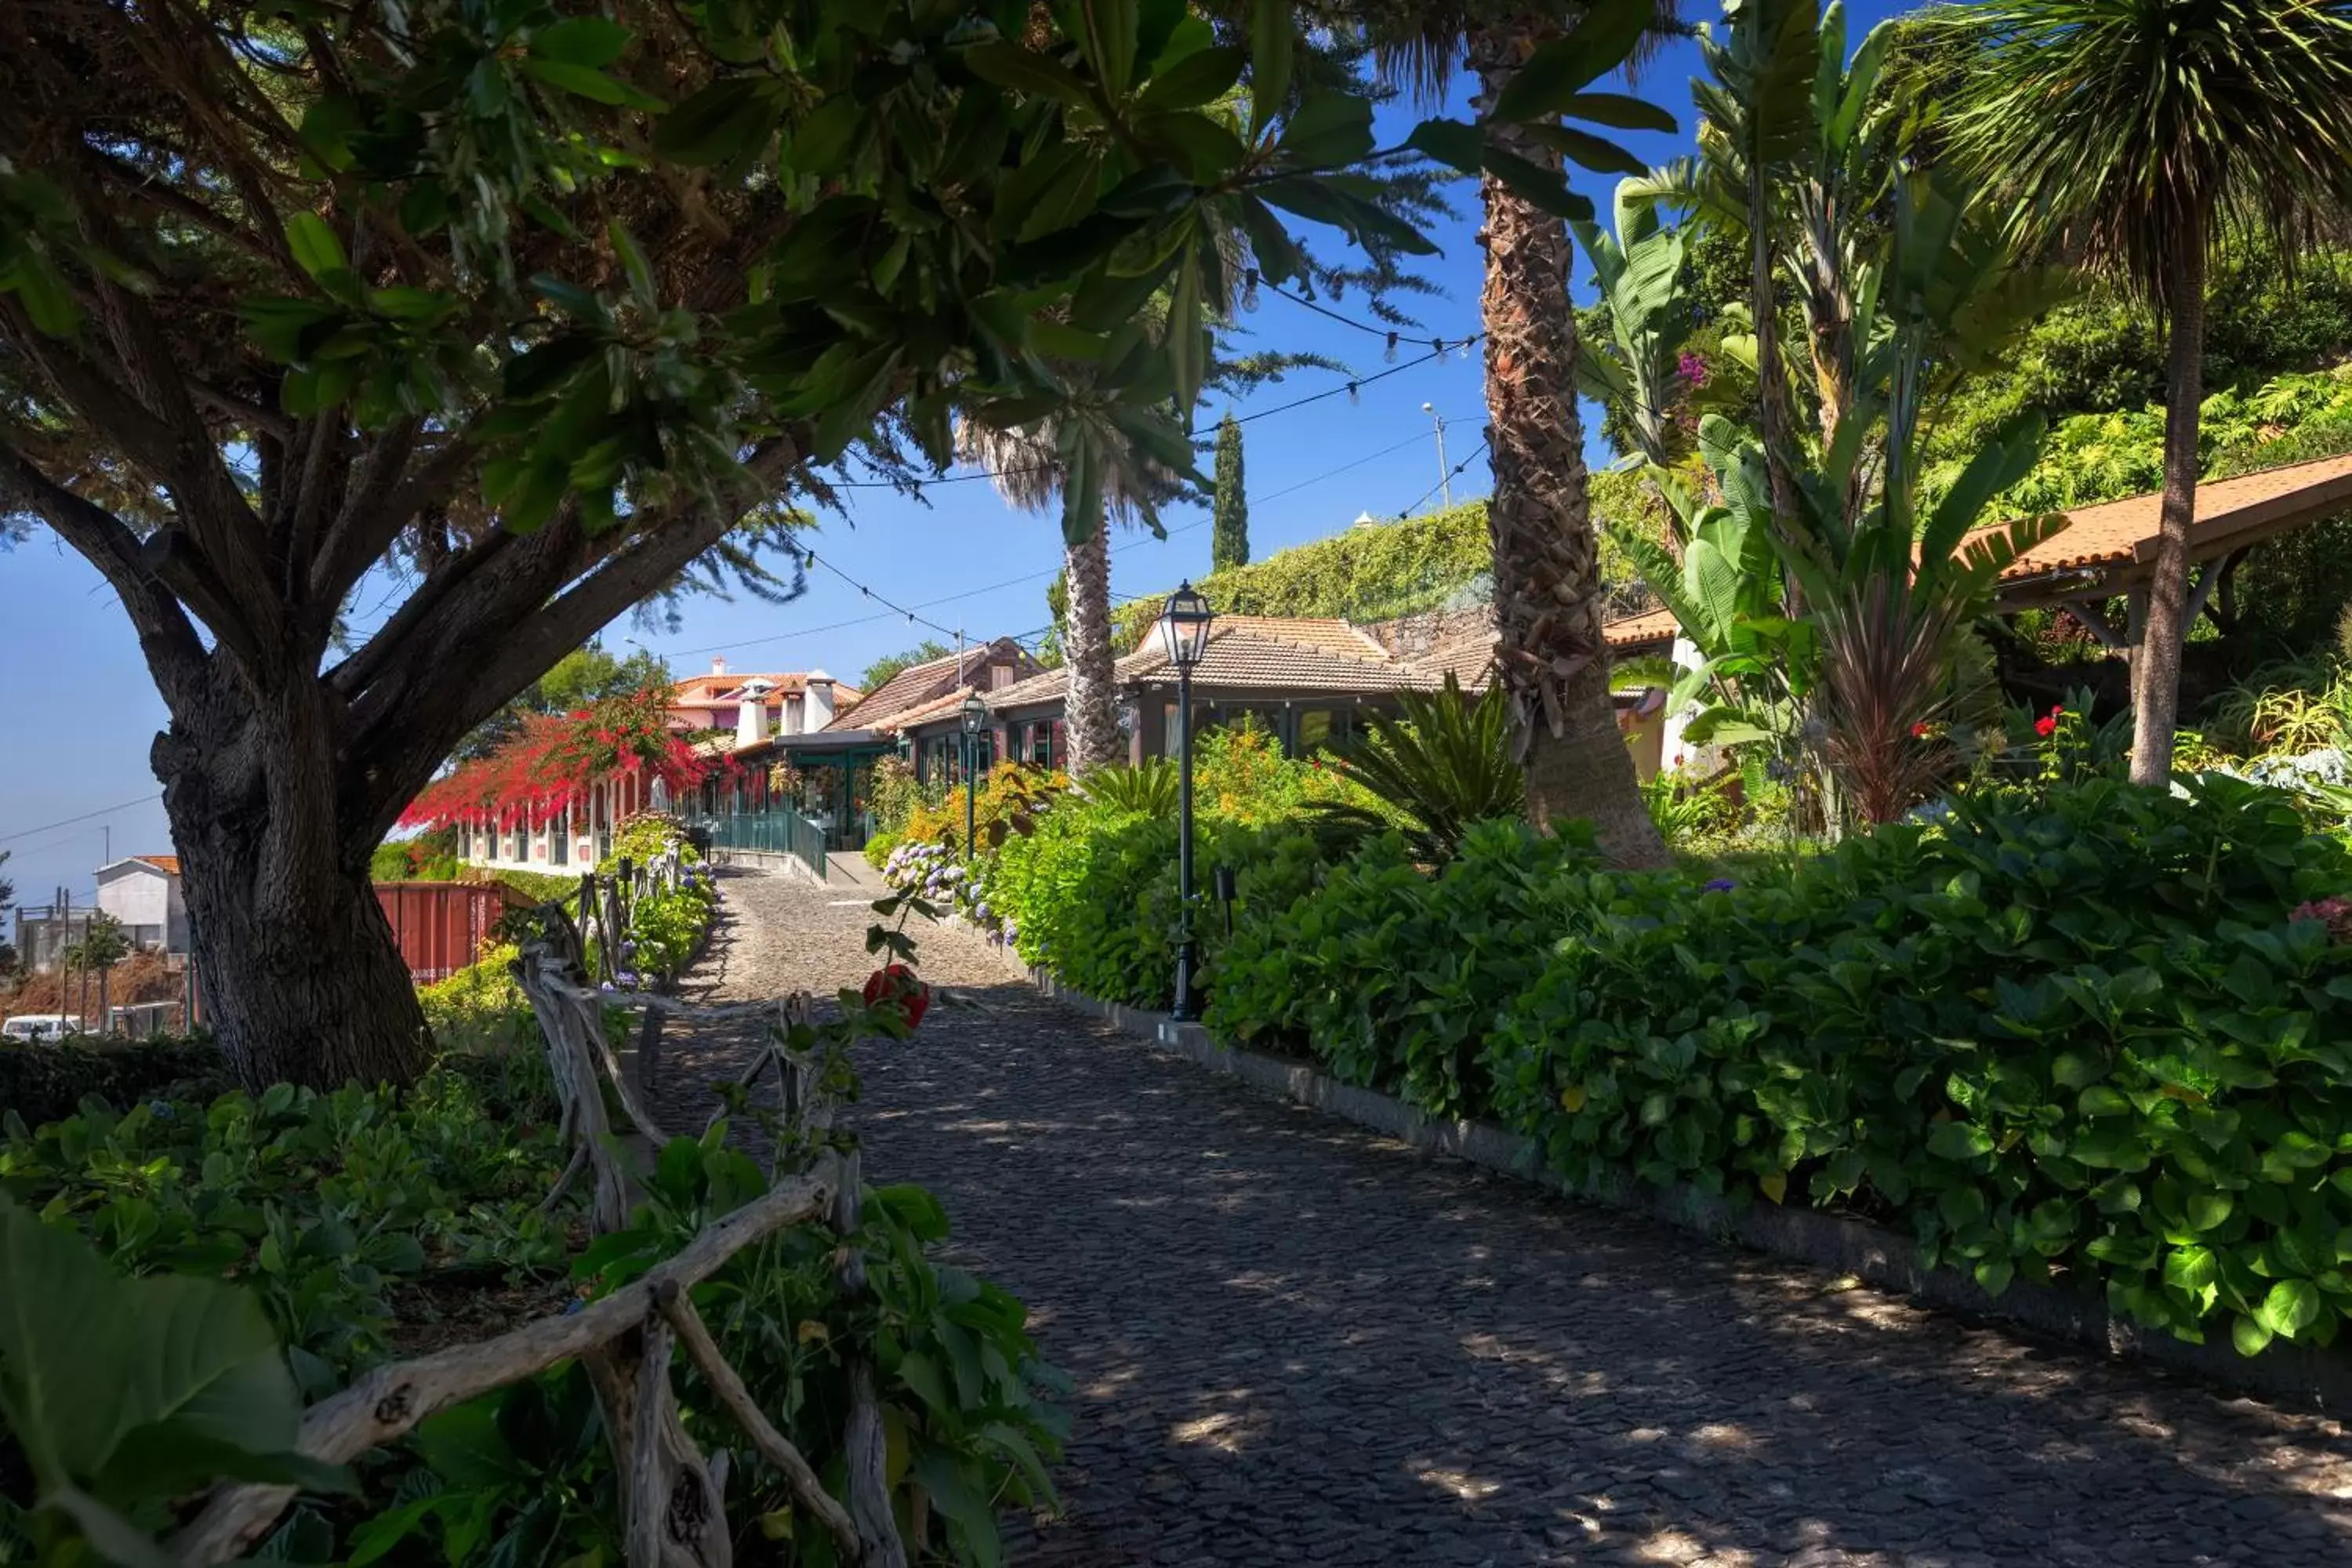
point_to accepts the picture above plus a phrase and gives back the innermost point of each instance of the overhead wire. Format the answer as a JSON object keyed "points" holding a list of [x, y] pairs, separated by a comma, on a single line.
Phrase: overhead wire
{"points": [[85, 816]]}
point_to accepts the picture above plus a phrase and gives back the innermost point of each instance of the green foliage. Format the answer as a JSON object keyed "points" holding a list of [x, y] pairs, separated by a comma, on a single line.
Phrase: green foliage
{"points": [[1092, 893], [1363, 575], [892, 664], [895, 794], [1148, 789], [2079, 1038], [428, 856], [2097, 354], [323, 1203], [481, 1008], [1635, 371], [1438, 770], [2092, 458], [1229, 542], [47, 1083], [1393, 976], [125, 1393]]}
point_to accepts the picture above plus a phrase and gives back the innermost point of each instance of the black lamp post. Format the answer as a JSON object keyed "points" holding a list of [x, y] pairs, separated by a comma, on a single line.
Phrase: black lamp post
{"points": [[1184, 627], [975, 718]]}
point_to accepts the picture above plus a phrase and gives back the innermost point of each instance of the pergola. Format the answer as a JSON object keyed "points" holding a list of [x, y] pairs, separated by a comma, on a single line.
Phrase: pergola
{"points": [[2108, 551]]}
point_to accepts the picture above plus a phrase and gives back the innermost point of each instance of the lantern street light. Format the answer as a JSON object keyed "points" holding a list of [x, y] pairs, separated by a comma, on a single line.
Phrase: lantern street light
{"points": [[975, 719], [1185, 629]]}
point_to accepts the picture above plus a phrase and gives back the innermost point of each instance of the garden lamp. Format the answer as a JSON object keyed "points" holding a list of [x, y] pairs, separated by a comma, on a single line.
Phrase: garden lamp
{"points": [[975, 719], [1184, 630]]}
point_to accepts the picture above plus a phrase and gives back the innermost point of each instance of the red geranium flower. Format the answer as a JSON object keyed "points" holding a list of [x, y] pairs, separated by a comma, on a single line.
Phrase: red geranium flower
{"points": [[2045, 727], [894, 987]]}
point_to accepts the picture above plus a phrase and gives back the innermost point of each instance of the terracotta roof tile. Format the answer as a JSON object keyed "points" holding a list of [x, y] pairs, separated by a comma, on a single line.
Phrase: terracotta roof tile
{"points": [[2118, 532], [948, 705], [167, 864], [1640, 631]]}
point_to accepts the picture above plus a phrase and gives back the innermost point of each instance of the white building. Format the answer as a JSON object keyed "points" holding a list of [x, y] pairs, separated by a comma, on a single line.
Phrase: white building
{"points": [[144, 893]]}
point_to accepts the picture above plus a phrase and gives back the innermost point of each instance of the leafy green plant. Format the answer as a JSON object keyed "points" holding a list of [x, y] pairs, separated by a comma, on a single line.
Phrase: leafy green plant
{"points": [[1441, 767], [1148, 789], [2086, 1037], [125, 1394]]}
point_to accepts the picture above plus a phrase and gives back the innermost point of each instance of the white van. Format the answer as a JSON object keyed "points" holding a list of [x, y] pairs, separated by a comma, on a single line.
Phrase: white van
{"points": [[31, 1027]]}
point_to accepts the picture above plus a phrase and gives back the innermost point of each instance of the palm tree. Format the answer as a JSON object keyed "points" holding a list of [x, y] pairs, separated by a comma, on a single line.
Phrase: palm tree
{"points": [[1031, 467], [2137, 135], [1550, 659]]}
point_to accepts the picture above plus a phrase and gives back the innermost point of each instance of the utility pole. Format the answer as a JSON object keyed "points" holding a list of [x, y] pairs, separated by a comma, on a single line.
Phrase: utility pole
{"points": [[1445, 474]]}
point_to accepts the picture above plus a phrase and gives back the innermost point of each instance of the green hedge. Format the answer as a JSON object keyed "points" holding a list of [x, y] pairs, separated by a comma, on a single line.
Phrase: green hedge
{"points": [[41, 1084], [1092, 893], [2080, 1042]]}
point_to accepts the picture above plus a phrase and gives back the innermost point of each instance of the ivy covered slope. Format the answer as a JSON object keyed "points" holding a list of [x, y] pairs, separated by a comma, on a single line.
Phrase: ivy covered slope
{"points": [[2097, 1039], [1383, 570]]}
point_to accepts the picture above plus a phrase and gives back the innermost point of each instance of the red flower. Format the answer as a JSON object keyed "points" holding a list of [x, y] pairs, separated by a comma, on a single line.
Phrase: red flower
{"points": [[2046, 727], [1919, 731], [895, 988]]}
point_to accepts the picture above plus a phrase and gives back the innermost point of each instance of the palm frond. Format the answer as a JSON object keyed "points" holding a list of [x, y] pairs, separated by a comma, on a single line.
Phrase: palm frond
{"points": [[1444, 764], [2126, 128]]}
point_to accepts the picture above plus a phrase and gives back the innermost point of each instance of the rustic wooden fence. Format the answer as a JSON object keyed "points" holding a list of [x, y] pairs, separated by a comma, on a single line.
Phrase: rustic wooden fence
{"points": [[672, 1497]]}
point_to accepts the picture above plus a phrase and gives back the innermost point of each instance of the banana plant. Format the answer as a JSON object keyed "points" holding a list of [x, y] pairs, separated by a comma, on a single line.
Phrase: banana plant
{"points": [[1753, 661], [1647, 304]]}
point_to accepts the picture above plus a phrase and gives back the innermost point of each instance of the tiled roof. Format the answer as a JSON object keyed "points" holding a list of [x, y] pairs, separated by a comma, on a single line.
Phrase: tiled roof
{"points": [[718, 691], [2125, 530], [1640, 631], [1469, 657], [949, 705], [1051, 686], [918, 685], [167, 864]]}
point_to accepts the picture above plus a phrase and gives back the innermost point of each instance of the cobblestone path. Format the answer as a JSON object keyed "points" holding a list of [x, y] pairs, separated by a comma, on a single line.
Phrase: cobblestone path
{"points": [[1297, 1343]]}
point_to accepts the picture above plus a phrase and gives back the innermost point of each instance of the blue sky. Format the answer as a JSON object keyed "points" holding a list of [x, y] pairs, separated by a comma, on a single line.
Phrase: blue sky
{"points": [[81, 711]]}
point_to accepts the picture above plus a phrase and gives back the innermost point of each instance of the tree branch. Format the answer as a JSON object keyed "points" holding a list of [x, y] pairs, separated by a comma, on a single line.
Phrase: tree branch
{"points": [[505, 630], [389, 1403], [175, 653], [383, 497], [773, 1446]]}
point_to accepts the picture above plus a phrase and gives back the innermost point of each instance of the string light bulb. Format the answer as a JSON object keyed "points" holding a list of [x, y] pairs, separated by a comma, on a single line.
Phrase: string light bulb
{"points": [[1391, 355]]}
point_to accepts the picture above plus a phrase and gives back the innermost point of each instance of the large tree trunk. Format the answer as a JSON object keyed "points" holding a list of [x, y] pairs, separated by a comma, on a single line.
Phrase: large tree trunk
{"points": [[1091, 721], [2156, 671], [1551, 658], [302, 980]]}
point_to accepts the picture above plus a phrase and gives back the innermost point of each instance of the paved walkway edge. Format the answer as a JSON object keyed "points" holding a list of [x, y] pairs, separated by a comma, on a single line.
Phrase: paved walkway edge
{"points": [[2305, 1375]]}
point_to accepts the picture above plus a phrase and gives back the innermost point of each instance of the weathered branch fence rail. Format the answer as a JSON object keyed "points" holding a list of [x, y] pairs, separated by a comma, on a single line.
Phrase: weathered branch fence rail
{"points": [[672, 1496]]}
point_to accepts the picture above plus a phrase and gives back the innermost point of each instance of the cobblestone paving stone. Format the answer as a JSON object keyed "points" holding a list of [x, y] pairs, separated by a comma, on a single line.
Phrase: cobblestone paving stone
{"points": [[1297, 1343]]}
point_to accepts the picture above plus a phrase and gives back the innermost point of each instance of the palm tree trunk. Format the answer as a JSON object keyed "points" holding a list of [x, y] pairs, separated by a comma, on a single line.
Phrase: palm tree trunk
{"points": [[1550, 656], [1092, 725], [2155, 669]]}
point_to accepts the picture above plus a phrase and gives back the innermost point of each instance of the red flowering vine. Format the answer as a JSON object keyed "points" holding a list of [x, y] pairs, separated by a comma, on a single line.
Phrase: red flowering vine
{"points": [[558, 758]]}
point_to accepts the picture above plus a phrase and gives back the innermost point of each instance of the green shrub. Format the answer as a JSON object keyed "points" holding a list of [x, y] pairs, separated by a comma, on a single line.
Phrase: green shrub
{"points": [[2080, 1040], [1394, 976], [879, 847], [322, 1202], [45, 1083], [1092, 893]]}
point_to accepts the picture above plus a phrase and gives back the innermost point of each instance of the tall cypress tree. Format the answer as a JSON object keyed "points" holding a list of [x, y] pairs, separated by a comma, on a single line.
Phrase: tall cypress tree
{"points": [[1229, 545]]}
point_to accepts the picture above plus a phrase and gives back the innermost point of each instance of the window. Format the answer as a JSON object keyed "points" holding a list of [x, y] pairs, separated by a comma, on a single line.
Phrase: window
{"points": [[1322, 728]]}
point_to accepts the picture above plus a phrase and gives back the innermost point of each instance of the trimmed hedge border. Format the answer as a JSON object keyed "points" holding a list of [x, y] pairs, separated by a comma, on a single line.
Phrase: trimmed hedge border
{"points": [[2305, 1375]]}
